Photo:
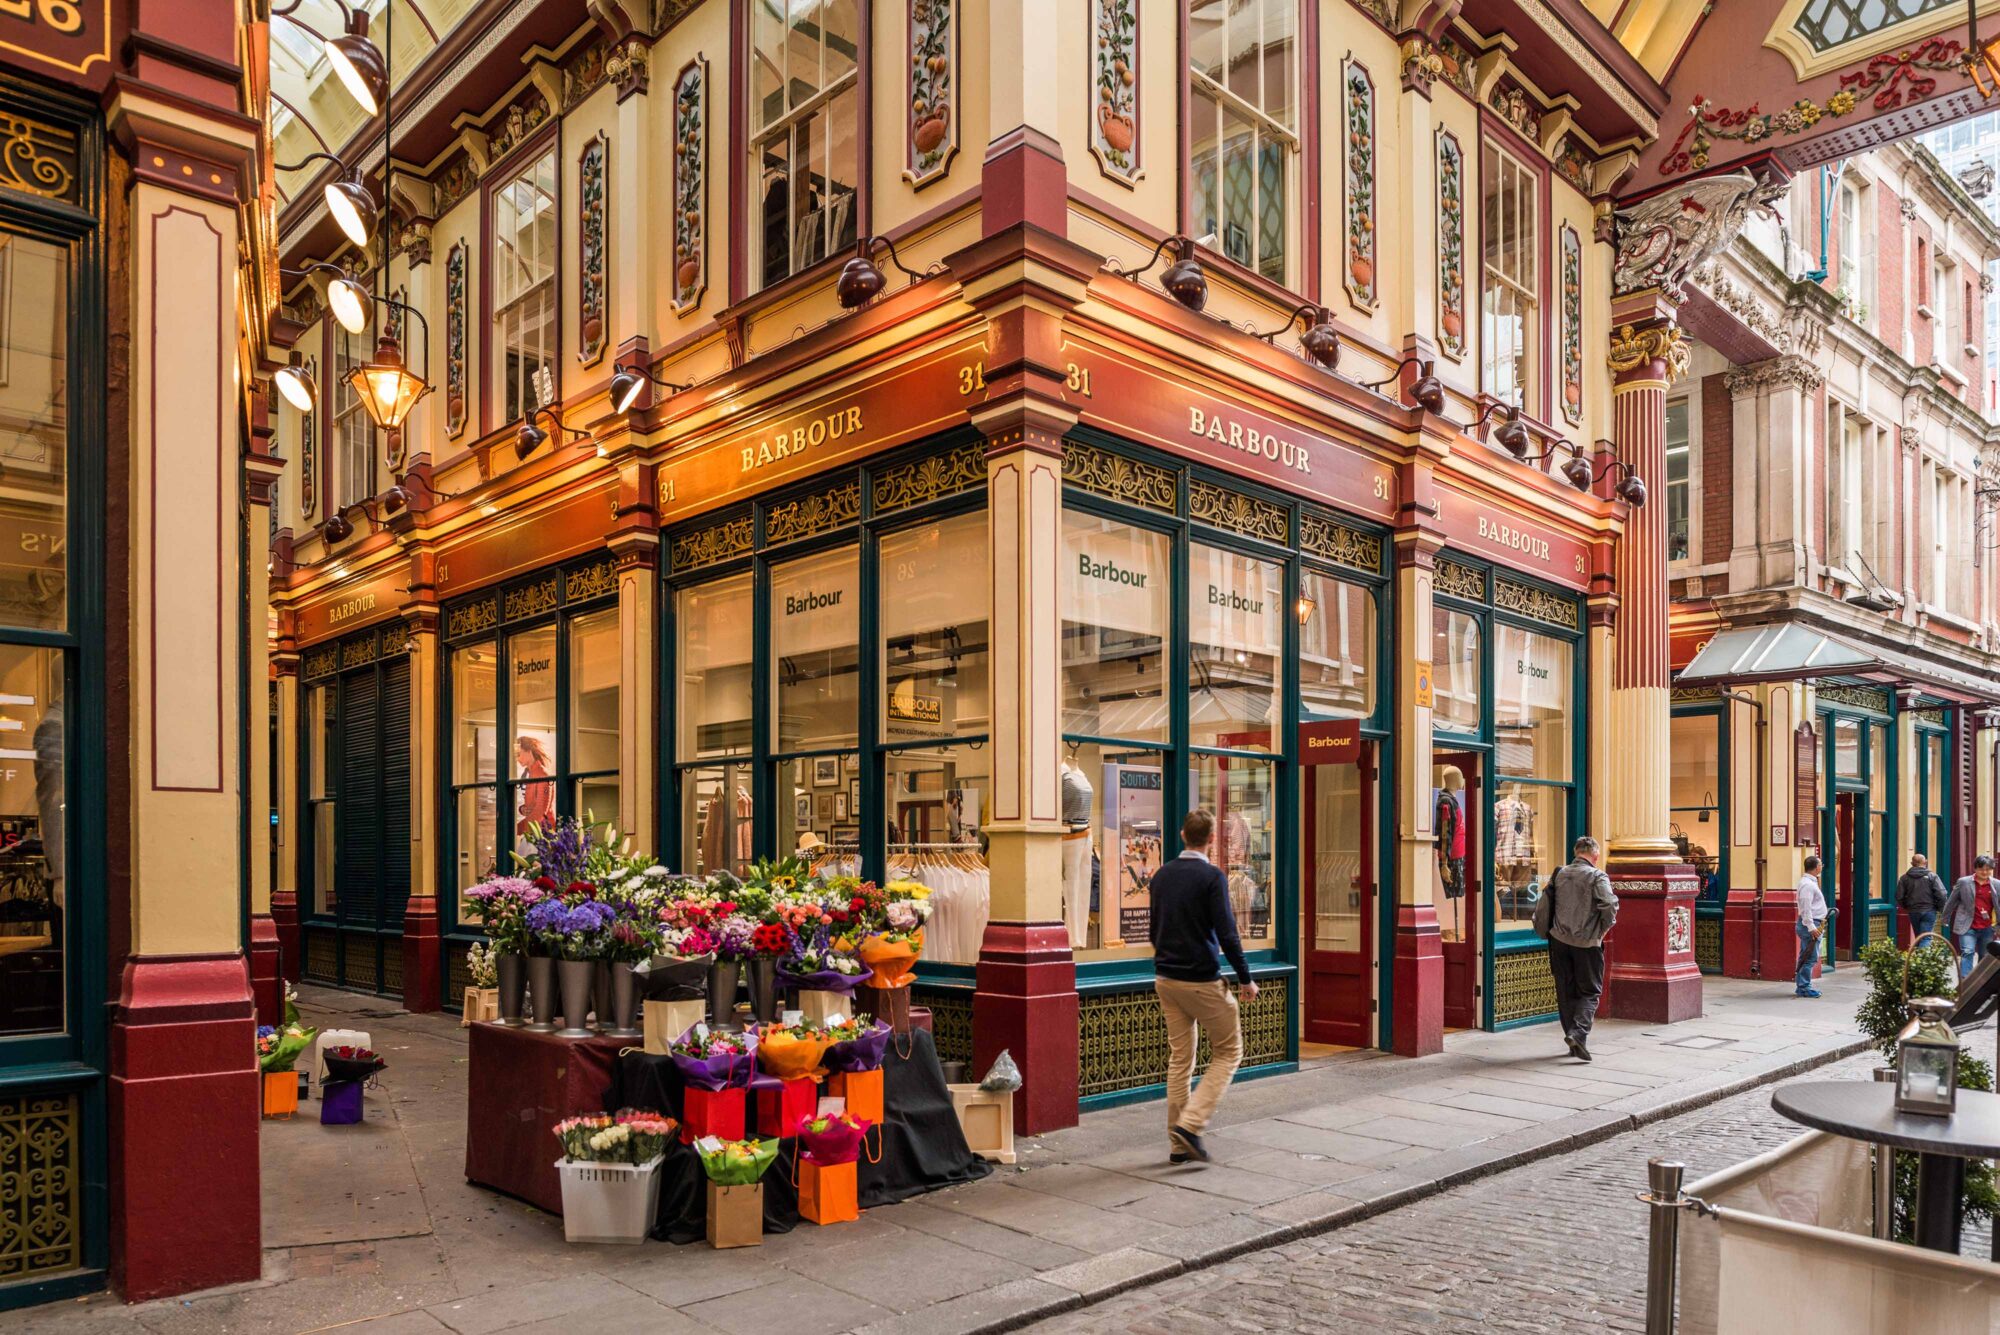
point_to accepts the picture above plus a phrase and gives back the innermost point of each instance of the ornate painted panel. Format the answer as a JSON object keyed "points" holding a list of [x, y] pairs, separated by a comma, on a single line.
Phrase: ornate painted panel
{"points": [[309, 451], [455, 390], [1451, 244], [1114, 91], [592, 246], [690, 276], [1358, 96], [41, 1180], [933, 90], [1571, 246], [1523, 987], [1122, 1039]]}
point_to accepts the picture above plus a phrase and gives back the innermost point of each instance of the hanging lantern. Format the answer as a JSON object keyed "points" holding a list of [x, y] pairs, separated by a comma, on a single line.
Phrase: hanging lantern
{"points": [[1927, 1061]]}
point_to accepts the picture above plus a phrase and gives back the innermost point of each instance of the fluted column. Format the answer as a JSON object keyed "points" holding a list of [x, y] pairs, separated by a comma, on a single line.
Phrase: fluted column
{"points": [[1417, 969]]}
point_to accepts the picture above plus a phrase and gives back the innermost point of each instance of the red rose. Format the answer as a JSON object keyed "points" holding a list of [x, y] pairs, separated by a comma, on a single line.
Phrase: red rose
{"points": [[584, 888], [858, 904], [726, 906], [544, 883]]}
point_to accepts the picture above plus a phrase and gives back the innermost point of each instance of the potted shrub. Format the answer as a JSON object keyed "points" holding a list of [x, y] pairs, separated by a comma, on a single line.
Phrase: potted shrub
{"points": [[610, 1173]]}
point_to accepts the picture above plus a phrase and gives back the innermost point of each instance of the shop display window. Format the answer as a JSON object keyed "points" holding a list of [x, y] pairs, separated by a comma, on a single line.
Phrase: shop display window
{"points": [[322, 791], [815, 651], [593, 713], [1236, 638], [1119, 793], [1533, 685], [531, 730], [805, 134], [1700, 828], [475, 762], [934, 638], [1337, 655], [1242, 793], [33, 843], [714, 622], [1117, 591], [35, 332], [1933, 789], [1455, 669], [717, 816]]}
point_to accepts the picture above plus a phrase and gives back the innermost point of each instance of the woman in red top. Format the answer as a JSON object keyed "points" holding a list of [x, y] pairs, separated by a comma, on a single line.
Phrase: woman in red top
{"points": [[538, 799]]}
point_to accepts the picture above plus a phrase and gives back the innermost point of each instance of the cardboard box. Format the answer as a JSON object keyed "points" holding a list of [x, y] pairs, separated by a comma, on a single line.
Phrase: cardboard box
{"points": [[735, 1215], [664, 1021], [862, 1090], [481, 1004], [819, 1007], [987, 1120], [712, 1112], [780, 1110], [829, 1193]]}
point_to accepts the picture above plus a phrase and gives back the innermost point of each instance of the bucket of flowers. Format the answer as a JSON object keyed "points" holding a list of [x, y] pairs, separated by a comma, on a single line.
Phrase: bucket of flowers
{"points": [[278, 1051], [610, 1173], [824, 977], [895, 917]]}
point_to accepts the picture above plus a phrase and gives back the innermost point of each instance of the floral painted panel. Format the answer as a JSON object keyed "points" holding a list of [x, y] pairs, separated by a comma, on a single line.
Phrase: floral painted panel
{"points": [[933, 89], [690, 185], [1114, 112], [1359, 96], [593, 241], [455, 394], [309, 451], [1451, 244], [1572, 325]]}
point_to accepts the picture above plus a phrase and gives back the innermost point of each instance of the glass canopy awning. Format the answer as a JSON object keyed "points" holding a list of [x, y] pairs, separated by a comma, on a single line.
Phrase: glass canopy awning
{"points": [[1790, 651]]}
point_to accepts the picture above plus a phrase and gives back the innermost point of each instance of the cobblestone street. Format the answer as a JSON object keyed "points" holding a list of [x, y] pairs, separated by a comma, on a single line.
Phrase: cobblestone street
{"points": [[1558, 1245]]}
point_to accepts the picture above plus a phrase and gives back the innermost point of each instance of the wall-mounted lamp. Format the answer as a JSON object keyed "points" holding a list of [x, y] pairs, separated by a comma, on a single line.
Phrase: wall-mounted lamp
{"points": [[860, 279], [356, 60], [349, 302], [1321, 341], [628, 382], [530, 437], [1583, 475], [337, 528], [1427, 390], [1511, 434], [348, 198], [1184, 279], [295, 385]]}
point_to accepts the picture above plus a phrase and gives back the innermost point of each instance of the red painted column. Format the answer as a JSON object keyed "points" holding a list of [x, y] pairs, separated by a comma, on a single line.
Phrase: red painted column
{"points": [[1650, 972], [1416, 951]]}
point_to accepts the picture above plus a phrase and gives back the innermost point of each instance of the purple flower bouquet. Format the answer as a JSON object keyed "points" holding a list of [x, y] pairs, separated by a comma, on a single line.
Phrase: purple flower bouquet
{"points": [[715, 1060], [815, 966], [863, 1043]]}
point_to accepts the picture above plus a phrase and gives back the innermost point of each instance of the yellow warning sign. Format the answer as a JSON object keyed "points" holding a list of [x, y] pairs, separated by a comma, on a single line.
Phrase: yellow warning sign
{"points": [[1426, 698]]}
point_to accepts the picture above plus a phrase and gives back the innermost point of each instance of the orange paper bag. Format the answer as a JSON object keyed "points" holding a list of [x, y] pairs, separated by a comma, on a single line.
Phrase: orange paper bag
{"points": [[281, 1093], [829, 1194], [863, 1092]]}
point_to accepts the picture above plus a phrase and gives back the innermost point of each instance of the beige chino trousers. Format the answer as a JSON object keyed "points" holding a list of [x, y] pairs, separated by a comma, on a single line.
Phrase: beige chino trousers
{"points": [[1192, 1009]]}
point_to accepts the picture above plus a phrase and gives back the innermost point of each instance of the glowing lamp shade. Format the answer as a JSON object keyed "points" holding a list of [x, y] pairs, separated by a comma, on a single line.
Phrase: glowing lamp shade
{"points": [[360, 66], [349, 304], [388, 389], [626, 387], [297, 388], [348, 200]]}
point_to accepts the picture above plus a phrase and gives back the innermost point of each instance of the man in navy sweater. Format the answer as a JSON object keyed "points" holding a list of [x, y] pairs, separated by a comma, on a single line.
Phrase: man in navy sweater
{"points": [[1191, 920]]}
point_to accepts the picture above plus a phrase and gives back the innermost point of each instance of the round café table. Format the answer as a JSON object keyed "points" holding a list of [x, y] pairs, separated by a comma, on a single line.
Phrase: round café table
{"points": [[1866, 1110]]}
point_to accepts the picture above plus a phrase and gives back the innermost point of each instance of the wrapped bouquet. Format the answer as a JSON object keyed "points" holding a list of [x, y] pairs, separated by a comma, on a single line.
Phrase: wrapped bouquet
{"points": [[711, 1059]]}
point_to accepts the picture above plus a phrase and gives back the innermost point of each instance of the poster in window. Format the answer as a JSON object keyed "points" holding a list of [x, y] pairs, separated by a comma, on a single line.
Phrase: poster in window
{"points": [[1805, 783], [1134, 846]]}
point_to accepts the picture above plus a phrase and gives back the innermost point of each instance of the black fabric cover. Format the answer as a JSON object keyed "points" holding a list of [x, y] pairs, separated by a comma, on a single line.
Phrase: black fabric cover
{"points": [[919, 1148]]}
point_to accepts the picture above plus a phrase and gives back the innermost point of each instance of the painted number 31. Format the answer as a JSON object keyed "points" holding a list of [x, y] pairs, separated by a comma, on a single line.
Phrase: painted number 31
{"points": [[62, 15]]}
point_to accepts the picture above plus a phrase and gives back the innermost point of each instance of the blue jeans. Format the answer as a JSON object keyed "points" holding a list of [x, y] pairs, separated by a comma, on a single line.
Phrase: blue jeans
{"points": [[1971, 945], [1922, 923], [1808, 955]]}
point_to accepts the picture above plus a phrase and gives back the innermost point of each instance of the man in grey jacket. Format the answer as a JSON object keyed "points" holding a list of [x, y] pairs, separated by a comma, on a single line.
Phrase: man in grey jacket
{"points": [[1972, 912], [1576, 910]]}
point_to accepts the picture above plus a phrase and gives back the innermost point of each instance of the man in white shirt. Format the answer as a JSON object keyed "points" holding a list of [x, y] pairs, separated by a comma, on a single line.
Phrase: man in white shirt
{"points": [[1811, 925]]}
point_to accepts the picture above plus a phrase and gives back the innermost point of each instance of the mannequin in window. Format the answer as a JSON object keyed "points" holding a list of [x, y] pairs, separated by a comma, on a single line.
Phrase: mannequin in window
{"points": [[1450, 828], [1076, 800], [1514, 848], [538, 799]]}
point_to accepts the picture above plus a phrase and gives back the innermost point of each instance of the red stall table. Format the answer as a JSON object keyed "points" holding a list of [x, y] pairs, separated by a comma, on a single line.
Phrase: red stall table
{"points": [[520, 1084]]}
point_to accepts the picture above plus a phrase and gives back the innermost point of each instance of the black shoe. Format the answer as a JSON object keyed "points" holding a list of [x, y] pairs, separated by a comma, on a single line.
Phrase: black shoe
{"points": [[1177, 1156], [1189, 1142], [1582, 1052], [1575, 1048]]}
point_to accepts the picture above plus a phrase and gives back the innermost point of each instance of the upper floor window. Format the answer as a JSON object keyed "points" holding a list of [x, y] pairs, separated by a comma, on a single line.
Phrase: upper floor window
{"points": [[1510, 300], [1850, 242], [805, 132], [1844, 473], [524, 285], [1243, 60], [354, 434], [1679, 457]]}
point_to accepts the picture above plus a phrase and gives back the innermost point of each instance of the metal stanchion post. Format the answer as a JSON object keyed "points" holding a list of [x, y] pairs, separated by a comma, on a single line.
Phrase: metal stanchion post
{"points": [[1663, 1200], [1885, 1175]]}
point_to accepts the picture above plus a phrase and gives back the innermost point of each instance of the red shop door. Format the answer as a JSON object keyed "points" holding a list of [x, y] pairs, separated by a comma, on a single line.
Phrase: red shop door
{"points": [[1456, 777], [1338, 867]]}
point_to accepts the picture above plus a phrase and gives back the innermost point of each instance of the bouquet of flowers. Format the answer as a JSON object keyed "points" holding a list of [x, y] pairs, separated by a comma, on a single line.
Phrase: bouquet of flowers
{"points": [[896, 934], [738, 1163], [573, 932], [280, 1049], [633, 1136], [859, 1044], [770, 940], [351, 1063], [793, 1052], [732, 933], [560, 855], [833, 1138], [814, 964], [480, 967], [500, 904], [711, 1059]]}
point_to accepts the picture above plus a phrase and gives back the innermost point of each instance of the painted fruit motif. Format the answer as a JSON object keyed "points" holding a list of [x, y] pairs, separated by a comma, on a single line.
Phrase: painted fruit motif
{"points": [[685, 275], [1117, 129], [929, 134], [1454, 324], [1363, 271]]}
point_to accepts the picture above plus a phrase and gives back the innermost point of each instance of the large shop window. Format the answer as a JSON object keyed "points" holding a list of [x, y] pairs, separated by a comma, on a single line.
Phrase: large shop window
{"points": [[1700, 823], [1337, 639], [1510, 241], [1243, 100], [1679, 459], [805, 130], [1934, 815], [523, 266], [715, 623], [534, 719], [1533, 750]]}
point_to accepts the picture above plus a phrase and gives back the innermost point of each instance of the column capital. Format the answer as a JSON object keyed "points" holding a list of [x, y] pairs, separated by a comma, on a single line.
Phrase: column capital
{"points": [[1024, 422], [1643, 354], [1789, 370]]}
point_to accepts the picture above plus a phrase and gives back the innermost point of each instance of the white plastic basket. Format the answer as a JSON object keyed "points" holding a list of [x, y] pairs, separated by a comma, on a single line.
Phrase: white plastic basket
{"points": [[609, 1202]]}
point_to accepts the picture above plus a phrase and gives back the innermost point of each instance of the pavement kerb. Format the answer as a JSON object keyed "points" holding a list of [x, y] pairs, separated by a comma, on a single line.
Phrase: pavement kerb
{"points": [[1555, 1140]]}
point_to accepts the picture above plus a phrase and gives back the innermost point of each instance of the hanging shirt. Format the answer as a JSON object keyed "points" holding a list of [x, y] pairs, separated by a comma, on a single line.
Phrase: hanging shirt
{"points": [[1450, 825]]}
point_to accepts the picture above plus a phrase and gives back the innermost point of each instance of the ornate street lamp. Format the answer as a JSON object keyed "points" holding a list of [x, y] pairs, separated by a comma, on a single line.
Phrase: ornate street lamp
{"points": [[295, 383]]}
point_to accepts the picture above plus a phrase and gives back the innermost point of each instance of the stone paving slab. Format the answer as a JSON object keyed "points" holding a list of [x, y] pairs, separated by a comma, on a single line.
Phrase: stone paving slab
{"points": [[1089, 1212]]}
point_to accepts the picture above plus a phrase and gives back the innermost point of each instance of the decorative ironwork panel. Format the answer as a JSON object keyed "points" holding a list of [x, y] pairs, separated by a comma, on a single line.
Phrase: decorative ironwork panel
{"points": [[392, 967], [1451, 244], [709, 546], [821, 512], [1935, 717], [599, 579], [454, 340], [38, 159], [690, 185], [1223, 508], [593, 245], [930, 478], [1708, 943], [1571, 247], [1523, 987], [1122, 1043], [1359, 97], [41, 1177], [322, 662], [458, 975], [358, 652], [1694, 694], [308, 452], [1529, 601], [951, 1021], [322, 957], [529, 600], [933, 80], [1860, 697], [1340, 544], [1881, 925], [1114, 92], [1460, 581], [1120, 479], [473, 618], [358, 964]]}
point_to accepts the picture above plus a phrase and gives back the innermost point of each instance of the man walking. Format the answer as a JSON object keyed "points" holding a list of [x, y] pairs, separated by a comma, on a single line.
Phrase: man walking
{"points": [[1191, 920], [1577, 908], [1968, 914], [1920, 893], [1810, 927]]}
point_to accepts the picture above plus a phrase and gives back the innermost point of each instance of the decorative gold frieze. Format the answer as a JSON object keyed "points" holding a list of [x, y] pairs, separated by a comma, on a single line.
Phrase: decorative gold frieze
{"points": [[1122, 1039], [1253, 518], [595, 580], [821, 512], [41, 1176], [322, 662], [358, 653], [529, 600], [36, 158], [1931, 716], [930, 478], [712, 545], [1523, 987], [1858, 697], [1120, 479], [1529, 601], [1460, 581], [1339, 544], [1696, 695], [471, 618]]}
